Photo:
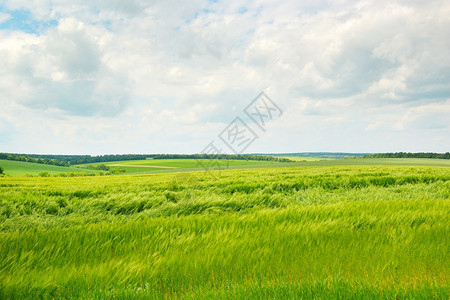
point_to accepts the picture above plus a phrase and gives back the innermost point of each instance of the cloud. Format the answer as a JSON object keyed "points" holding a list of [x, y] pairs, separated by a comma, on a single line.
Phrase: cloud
{"points": [[62, 69], [4, 17], [428, 117], [6, 132], [173, 72]]}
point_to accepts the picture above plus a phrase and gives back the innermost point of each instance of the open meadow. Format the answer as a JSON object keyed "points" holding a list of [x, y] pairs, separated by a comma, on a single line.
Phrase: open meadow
{"points": [[323, 232], [20, 168], [210, 149], [173, 165]]}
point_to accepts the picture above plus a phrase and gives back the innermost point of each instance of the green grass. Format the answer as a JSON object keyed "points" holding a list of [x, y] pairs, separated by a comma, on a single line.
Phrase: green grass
{"points": [[375, 162], [173, 165], [177, 165], [305, 158], [19, 168], [334, 232]]}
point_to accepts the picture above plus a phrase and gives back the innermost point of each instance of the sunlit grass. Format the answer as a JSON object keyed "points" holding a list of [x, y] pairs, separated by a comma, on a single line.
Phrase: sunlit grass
{"points": [[321, 232], [305, 158]]}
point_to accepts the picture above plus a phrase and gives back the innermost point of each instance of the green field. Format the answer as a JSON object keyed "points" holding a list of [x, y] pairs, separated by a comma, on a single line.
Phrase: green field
{"points": [[174, 165], [304, 158], [373, 162], [19, 168], [387, 161], [322, 232], [177, 165]]}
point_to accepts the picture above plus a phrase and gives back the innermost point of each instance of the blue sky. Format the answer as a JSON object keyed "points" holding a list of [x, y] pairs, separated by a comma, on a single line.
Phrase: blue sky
{"points": [[22, 19], [169, 76]]}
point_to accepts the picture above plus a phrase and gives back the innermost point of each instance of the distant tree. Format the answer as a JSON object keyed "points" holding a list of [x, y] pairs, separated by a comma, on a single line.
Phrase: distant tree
{"points": [[410, 155], [1, 170], [101, 167]]}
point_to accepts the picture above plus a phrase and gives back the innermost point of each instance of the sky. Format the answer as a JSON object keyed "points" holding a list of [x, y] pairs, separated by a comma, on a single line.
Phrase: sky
{"points": [[112, 76]]}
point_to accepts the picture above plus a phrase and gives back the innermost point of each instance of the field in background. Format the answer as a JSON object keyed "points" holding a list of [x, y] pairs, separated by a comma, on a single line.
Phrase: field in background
{"points": [[305, 158], [19, 168], [173, 165], [361, 231], [177, 165], [376, 162]]}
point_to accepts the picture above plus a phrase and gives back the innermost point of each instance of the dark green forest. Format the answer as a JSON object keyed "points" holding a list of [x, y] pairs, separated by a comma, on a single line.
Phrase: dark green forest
{"points": [[68, 160], [410, 155], [222, 156]]}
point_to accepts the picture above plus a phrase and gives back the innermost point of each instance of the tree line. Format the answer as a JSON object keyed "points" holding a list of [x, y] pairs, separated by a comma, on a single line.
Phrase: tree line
{"points": [[87, 159], [222, 156], [26, 158], [68, 160], [410, 155]]}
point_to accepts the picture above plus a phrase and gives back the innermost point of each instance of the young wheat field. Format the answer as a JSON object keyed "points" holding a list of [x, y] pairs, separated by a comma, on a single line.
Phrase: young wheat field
{"points": [[323, 232]]}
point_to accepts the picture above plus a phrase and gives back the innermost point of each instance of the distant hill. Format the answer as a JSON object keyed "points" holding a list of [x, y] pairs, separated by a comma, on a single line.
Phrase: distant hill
{"points": [[336, 155], [410, 155], [339, 155]]}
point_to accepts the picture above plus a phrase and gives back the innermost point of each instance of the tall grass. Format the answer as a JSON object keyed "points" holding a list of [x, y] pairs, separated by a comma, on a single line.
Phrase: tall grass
{"points": [[335, 232]]}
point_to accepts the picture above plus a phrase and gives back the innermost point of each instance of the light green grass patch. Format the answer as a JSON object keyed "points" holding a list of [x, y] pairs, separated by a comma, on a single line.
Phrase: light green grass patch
{"points": [[305, 158], [19, 168], [170, 165]]}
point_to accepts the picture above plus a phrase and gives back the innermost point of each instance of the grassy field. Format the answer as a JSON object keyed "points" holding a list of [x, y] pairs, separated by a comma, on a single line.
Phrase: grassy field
{"points": [[177, 165], [374, 162], [323, 232], [16, 168], [304, 158], [171, 165], [19, 168]]}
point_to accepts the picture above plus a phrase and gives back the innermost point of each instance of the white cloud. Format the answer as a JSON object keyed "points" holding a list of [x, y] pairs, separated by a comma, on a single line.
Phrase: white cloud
{"points": [[429, 117], [173, 71], [4, 17], [62, 69]]}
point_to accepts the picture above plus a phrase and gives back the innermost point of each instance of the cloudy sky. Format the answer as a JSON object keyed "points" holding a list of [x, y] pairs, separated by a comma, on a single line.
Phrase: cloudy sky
{"points": [[136, 76]]}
